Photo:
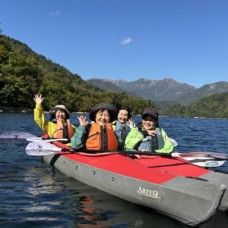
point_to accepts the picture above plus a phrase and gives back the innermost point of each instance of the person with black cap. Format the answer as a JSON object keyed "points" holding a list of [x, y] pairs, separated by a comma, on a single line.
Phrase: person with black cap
{"points": [[123, 125], [149, 137], [59, 125], [98, 135]]}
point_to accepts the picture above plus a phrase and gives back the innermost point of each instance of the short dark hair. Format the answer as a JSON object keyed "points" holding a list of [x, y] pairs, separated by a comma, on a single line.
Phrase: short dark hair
{"points": [[126, 109]]}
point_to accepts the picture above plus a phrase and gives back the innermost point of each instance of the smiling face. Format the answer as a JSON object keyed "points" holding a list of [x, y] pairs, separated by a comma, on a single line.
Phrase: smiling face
{"points": [[123, 116], [60, 115], [149, 122], [102, 117]]}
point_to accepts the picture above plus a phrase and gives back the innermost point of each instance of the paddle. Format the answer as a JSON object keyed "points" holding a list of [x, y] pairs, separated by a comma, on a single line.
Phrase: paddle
{"points": [[46, 146], [43, 148], [38, 139], [16, 136], [205, 155], [19, 135], [173, 141]]}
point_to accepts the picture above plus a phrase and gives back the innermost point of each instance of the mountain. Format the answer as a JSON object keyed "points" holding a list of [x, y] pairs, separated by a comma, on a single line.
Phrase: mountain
{"points": [[105, 85], [204, 91], [155, 90], [215, 106], [108, 86], [166, 90]]}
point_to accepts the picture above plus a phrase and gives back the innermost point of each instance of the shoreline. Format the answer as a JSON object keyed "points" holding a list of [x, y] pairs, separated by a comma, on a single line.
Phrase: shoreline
{"points": [[24, 110], [21, 110]]}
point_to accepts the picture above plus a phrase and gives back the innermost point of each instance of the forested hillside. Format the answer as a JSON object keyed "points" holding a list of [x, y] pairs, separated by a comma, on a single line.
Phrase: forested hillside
{"points": [[23, 73], [214, 106]]}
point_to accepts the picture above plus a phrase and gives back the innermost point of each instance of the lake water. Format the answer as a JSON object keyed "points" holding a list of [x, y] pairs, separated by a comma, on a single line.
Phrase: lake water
{"points": [[33, 196]]}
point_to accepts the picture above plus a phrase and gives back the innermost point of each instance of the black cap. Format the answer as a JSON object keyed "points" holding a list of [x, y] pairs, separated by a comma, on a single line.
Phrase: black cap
{"points": [[111, 109], [152, 112]]}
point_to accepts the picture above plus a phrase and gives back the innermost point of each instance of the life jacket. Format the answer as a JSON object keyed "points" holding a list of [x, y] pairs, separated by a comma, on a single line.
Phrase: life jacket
{"points": [[152, 143], [63, 130], [121, 131], [101, 138]]}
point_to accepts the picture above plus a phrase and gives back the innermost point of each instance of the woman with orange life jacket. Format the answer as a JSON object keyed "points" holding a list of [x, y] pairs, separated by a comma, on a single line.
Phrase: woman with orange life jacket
{"points": [[59, 125], [98, 135]]}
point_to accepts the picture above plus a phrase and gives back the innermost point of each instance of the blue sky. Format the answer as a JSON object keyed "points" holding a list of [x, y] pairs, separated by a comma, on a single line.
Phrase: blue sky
{"points": [[186, 40]]}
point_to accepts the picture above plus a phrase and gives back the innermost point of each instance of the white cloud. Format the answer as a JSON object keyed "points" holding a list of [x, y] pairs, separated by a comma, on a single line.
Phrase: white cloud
{"points": [[126, 41], [55, 13]]}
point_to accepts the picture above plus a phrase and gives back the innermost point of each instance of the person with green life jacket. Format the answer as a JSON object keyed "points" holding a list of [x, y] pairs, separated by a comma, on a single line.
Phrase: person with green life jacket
{"points": [[149, 137]]}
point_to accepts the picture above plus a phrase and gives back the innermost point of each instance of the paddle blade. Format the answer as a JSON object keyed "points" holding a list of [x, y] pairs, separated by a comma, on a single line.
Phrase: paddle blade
{"points": [[38, 139], [38, 153], [204, 154], [173, 141], [41, 148], [14, 136], [210, 163], [202, 159]]}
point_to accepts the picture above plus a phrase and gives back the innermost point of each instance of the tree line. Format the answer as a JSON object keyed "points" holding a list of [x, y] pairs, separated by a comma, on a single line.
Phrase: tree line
{"points": [[214, 106]]}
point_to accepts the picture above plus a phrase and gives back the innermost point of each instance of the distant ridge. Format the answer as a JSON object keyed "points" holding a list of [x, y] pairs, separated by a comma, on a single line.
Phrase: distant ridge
{"points": [[161, 90], [109, 86]]}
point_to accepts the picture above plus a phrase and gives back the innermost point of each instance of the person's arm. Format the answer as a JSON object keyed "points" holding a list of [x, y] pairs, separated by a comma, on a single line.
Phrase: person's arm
{"points": [[78, 140], [38, 112], [133, 137]]}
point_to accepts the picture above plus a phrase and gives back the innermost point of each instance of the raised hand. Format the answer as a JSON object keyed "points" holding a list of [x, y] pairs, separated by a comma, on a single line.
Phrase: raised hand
{"points": [[38, 98], [82, 121], [131, 123]]}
